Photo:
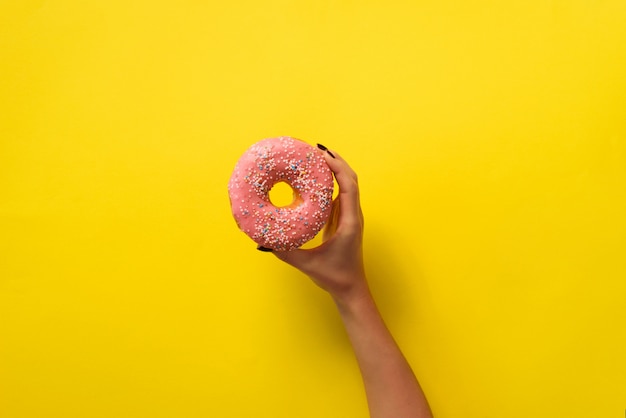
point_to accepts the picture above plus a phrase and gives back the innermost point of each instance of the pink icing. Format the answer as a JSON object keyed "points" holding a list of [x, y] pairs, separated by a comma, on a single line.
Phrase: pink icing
{"points": [[264, 164]]}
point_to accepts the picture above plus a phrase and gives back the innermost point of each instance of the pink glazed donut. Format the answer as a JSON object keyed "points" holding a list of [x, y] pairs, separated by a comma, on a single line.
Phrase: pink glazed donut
{"points": [[263, 165]]}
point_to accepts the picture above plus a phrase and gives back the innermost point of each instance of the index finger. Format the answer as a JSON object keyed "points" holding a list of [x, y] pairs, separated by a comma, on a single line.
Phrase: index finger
{"points": [[348, 188]]}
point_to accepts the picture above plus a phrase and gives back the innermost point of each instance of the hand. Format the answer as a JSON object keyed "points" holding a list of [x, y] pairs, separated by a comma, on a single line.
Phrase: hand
{"points": [[337, 265]]}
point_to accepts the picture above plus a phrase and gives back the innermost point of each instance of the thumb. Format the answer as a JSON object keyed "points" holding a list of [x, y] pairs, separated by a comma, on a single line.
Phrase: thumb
{"points": [[296, 258]]}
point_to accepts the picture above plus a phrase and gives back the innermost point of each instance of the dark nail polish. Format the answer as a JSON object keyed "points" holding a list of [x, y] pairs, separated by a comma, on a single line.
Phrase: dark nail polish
{"points": [[264, 249], [323, 148]]}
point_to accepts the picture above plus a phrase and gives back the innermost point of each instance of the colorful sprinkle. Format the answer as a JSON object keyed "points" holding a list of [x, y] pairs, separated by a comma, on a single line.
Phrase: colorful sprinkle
{"points": [[299, 165]]}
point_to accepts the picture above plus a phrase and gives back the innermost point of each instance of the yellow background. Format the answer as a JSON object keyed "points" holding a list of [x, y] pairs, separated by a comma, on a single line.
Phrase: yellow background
{"points": [[490, 140]]}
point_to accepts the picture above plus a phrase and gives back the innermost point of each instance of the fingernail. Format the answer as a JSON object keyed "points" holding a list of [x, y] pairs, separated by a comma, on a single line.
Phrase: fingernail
{"points": [[323, 148], [264, 249]]}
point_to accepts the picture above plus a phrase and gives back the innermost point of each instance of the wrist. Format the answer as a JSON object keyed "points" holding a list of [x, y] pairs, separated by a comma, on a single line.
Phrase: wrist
{"points": [[350, 300]]}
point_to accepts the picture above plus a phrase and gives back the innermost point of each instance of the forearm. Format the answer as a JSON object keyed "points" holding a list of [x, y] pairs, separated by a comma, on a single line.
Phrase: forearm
{"points": [[390, 385]]}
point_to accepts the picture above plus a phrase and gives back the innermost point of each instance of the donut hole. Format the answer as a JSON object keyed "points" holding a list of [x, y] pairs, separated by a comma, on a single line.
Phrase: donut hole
{"points": [[283, 195]]}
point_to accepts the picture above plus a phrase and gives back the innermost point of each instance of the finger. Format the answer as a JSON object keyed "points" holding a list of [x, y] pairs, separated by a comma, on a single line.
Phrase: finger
{"points": [[348, 189], [333, 220], [296, 258]]}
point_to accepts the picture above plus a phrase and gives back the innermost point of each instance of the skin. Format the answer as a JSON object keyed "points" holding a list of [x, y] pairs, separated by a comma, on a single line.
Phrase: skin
{"points": [[336, 266]]}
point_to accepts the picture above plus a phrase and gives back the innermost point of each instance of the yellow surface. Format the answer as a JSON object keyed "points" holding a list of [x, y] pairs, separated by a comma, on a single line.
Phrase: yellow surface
{"points": [[490, 140]]}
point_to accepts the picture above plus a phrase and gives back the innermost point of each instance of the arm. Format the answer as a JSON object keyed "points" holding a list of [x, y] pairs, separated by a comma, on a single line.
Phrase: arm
{"points": [[337, 266], [390, 385]]}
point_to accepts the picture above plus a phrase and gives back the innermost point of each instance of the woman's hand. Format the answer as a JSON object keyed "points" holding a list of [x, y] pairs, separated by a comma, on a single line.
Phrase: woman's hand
{"points": [[337, 265]]}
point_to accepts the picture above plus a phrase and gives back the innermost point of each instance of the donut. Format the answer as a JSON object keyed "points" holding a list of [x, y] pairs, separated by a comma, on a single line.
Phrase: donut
{"points": [[266, 163]]}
